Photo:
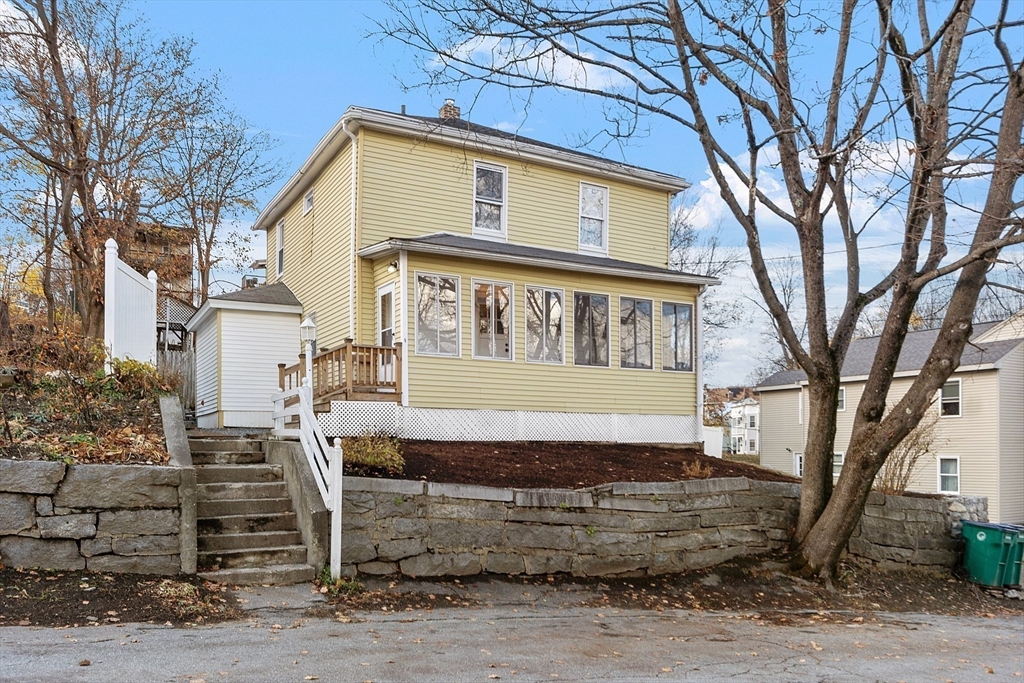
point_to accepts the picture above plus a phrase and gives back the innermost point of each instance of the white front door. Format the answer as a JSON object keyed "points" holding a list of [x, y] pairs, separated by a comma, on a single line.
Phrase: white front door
{"points": [[386, 330]]}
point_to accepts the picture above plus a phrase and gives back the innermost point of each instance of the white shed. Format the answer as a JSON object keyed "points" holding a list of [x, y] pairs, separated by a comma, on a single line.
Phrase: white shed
{"points": [[240, 339]]}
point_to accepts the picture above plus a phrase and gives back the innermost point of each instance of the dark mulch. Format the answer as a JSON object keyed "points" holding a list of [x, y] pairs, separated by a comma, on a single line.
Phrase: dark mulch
{"points": [[537, 464], [82, 598]]}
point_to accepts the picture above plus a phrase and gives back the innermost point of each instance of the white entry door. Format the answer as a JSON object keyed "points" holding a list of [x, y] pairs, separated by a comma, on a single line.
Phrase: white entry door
{"points": [[386, 331]]}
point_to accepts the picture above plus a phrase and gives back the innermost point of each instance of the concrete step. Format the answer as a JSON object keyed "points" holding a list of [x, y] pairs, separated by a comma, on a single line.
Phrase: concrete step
{"points": [[235, 491], [216, 474], [240, 524], [281, 575], [225, 445], [242, 506], [227, 458], [251, 557], [248, 541]]}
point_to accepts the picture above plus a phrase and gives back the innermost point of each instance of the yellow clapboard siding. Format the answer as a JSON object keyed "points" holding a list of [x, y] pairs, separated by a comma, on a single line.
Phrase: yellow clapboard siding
{"points": [[428, 188], [465, 382]]}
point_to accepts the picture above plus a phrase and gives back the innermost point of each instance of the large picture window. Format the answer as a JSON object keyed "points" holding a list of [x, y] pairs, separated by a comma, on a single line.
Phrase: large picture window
{"points": [[489, 203], [492, 320], [593, 218], [590, 329], [677, 336], [635, 333], [544, 324], [437, 315]]}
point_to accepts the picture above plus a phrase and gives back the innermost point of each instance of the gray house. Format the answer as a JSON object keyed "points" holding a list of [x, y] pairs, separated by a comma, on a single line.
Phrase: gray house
{"points": [[979, 434]]}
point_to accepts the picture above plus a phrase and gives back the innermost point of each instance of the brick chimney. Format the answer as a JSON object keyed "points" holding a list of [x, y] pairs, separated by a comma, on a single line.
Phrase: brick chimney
{"points": [[449, 110]]}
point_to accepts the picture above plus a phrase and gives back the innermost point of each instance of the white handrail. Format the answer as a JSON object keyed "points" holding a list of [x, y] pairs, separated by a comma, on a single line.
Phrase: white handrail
{"points": [[324, 460]]}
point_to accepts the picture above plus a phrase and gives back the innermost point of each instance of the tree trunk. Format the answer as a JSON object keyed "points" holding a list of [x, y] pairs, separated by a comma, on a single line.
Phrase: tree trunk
{"points": [[816, 487]]}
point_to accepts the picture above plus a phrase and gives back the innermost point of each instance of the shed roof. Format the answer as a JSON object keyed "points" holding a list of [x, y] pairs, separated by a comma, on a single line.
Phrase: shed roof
{"points": [[278, 294]]}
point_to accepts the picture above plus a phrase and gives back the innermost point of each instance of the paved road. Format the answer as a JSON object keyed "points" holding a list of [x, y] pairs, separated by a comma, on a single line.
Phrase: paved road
{"points": [[532, 640]]}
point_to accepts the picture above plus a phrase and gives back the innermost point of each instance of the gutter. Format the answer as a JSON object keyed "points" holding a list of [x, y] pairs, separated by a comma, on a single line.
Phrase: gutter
{"points": [[903, 374]]}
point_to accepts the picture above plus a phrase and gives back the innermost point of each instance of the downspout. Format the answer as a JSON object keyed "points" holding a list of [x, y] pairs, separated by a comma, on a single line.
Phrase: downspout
{"points": [[698, 322], [352, 237], [403, 303]]}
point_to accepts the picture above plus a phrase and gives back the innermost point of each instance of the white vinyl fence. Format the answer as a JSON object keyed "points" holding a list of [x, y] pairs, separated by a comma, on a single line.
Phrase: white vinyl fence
{"points": [[129, 320]]}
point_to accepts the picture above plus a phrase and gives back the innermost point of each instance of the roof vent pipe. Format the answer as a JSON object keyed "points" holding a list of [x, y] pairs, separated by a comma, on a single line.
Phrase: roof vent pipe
{"points": [[449, 110]]}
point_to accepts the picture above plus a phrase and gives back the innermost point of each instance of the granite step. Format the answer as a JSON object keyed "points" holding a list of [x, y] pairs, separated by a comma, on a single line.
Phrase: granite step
{"points": [[248, 541], [238, 473], [279, 575]]}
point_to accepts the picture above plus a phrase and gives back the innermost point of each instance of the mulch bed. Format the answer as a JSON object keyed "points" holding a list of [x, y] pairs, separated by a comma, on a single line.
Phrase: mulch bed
{"points": [[81, 598], [537, 464]]}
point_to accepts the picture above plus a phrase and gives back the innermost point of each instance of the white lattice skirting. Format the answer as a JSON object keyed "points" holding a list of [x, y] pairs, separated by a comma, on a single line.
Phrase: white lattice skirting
{"points": [[351, 418]]}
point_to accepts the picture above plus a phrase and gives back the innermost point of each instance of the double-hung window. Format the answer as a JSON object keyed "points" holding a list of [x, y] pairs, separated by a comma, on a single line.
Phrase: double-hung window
{"points": [[752, 421], [949, 401], [635, 333], [837, 464], [590, 329], [307, 203], [492, 320], [841, 404], [544, 325], [798, 464], [280, 248], [489, 200], [949, 475], [677, 336], [437, 315], [593, 218]]}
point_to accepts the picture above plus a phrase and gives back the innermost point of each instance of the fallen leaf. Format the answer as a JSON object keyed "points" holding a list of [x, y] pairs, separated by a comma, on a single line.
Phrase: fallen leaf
{"points": [[84, 662], [311, 678], [817, 647]]}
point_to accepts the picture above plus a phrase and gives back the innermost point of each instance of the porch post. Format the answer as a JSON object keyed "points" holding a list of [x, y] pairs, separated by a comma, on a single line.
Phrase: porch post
{"points": [[398, 369], [335, 472], [349, 369]]}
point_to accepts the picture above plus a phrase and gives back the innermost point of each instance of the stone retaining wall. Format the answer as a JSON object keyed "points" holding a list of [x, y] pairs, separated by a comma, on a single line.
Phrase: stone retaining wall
{"points": [[426, 529]]}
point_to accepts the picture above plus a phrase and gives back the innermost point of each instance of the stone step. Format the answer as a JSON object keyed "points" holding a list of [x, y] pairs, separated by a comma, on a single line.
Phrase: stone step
{"points": [[242, 506], [216, 474], [228, 458], [239, 524], [280, 575], [254, 557], [246, 490], [201, 445], [248, 541]]}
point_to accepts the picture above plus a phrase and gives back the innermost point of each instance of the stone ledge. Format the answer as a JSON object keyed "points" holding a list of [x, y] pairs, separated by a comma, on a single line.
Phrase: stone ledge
{"points": [[401, 486], [553, 498], [30, 476], [471, 492]]}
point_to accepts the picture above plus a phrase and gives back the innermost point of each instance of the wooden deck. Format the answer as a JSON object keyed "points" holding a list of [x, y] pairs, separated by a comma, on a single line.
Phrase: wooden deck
{"points": [[350, 372]]}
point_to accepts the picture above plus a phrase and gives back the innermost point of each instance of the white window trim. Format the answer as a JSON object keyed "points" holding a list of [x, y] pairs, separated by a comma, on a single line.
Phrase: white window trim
{"points": [[693, 337], [458, 314], [842, 398], [653, 313], [842, 456], [798, 465], [751, 421], [279, 249], [512, 319], [938, 474], [960, 398], [800, 407], [589, 248], [483, 233], [307, 202], [525, 308], [388, 288], [610, 330]]}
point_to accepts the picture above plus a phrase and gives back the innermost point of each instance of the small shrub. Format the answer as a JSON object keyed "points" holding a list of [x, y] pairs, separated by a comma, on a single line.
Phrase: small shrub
{"points": [[373, 451], [695, 469], [591, 530], [337, 586], [135, 378]]}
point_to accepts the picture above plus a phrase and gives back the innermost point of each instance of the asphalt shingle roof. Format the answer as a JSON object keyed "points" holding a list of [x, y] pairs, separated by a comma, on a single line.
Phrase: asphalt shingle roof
{"points": [[277, 294]]}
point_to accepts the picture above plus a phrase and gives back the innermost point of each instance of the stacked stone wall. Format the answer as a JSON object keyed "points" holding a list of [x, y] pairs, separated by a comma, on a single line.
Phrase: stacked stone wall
{"points": [[426, 529], [107, 518]]}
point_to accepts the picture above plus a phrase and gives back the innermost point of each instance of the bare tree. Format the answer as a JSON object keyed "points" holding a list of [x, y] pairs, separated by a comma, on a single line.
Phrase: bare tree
{"points": [[918, 101], [895, 475]]}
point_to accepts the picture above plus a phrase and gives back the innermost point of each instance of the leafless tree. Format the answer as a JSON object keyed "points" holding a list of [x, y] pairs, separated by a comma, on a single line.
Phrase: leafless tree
{"points": [[919, 100], [923, 440]]}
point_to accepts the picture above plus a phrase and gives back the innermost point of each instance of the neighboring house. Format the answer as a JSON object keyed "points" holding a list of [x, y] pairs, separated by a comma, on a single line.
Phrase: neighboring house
{"points": [[979, 444], [744, 427], [492, 286], [168, 251]]}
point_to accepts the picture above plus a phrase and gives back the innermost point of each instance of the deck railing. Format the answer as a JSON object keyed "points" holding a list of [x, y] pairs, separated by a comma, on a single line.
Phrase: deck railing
{"points": [[350, 368]]}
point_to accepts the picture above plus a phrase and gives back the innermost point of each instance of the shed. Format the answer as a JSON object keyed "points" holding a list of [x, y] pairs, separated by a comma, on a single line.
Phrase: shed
{"points": [[241, 337]]}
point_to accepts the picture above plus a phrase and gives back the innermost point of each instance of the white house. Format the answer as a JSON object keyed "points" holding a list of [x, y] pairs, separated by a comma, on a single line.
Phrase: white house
{"points": [[744, 422]]}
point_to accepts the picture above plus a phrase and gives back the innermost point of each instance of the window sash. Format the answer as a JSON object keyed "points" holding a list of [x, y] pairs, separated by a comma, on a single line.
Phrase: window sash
{"points": [[545, 313], [437, 315], [841, 405], [492, 320], [798, 464], [280, 248], [837, 464], [489, 194], [593, 217], [636, 329], [949, 475], [590, 330], [949, 403], [677, 337], [307, 203]]}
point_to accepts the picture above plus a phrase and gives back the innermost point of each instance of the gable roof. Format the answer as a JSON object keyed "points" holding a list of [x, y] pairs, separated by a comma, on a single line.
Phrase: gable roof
{"points": [[489, 250], [275, 298], [912, 358], [460, 133]]}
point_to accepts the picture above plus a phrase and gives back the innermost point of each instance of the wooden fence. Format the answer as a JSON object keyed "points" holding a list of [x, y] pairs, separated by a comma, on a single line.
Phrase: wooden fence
{"points": [[180, 366]]}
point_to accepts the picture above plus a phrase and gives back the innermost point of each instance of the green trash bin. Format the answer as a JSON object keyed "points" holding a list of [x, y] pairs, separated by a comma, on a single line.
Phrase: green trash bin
{"points": [[990, 554], [1014, 574]]}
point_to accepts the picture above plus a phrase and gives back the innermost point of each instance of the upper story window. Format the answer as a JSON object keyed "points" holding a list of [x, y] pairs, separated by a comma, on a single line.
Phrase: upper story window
{"points": [[437, 315], [677, 336], [280, 248], [837, 464], [841, 405], [492, 320], [949, 402], [307, 203], [752, 422], [544, 325], [593, 218], [590, 329], [635, 333], [490, 204]]}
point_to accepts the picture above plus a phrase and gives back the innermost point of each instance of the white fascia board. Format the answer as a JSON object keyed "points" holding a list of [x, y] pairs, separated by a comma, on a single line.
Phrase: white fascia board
{"points": [[779, 387], [214, 304], [198, 317], [852, 379], [393, 246], [356, 117]]}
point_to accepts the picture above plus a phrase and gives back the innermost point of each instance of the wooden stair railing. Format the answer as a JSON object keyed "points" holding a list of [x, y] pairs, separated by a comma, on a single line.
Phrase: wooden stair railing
{"points": [[350, 371]]}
